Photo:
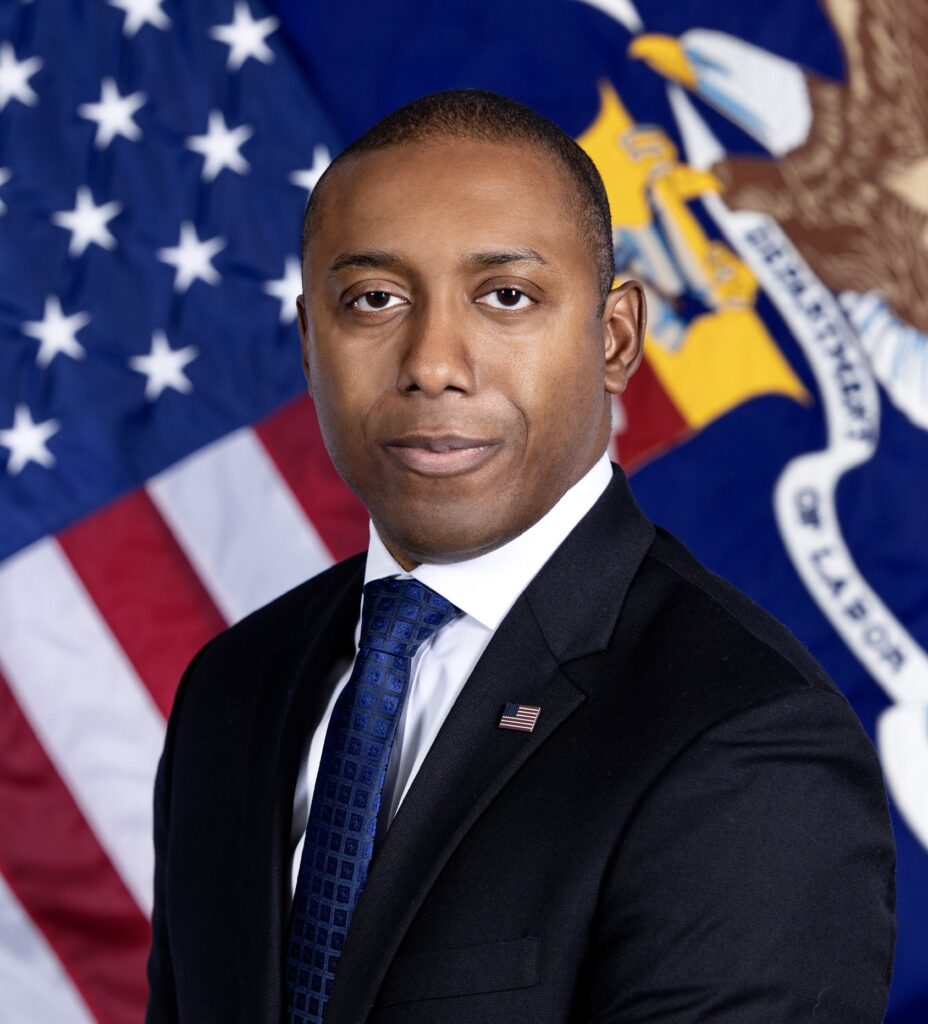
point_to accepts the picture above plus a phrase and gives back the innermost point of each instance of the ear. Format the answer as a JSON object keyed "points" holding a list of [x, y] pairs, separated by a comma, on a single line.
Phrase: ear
{"points": [[625, 321], [304, 339]]}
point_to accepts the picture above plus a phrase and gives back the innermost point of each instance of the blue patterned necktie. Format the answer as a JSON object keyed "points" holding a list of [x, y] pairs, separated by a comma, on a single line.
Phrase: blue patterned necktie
{"points": [[398, 617]]}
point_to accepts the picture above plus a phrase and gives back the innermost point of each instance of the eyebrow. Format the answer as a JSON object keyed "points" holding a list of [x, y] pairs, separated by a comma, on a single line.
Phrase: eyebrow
{"points": [[496, 258], [368, 258], [381, 259]]}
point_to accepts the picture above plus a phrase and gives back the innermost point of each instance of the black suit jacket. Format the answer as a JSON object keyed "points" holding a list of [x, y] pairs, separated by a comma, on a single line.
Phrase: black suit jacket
{"points": [[696, 830]]}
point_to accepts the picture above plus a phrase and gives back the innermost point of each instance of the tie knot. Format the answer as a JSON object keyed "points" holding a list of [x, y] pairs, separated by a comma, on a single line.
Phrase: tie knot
{"points": [[400, 615]]}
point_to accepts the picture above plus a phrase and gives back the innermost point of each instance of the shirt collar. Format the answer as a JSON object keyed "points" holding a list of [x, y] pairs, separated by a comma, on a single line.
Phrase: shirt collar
{"points": [[487, 586]]}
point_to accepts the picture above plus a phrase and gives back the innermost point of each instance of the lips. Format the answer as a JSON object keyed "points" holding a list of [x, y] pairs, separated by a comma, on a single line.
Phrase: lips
{"points": [[441, 454]]}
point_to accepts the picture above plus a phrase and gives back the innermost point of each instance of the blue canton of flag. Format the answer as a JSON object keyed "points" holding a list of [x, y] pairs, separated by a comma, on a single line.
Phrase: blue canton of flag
{"points": [[155, 165]]}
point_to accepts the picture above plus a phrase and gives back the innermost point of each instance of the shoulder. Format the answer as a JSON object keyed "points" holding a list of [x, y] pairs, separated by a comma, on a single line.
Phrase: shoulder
{"points": [[286, 622], [715, 631], [713, 692], [691, 651]]}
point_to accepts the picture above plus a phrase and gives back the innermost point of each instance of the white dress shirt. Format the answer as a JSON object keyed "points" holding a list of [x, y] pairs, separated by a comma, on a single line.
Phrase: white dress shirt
{"points": [[484, 588]]}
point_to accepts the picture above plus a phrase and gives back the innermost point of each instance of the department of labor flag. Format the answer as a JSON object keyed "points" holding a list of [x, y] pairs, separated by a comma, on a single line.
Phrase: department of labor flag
{"points": [[161, 472]]}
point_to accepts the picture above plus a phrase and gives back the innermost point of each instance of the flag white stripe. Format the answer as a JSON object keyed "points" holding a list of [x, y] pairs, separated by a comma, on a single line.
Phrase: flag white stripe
{"points": [[239, 523], [33, 983], [89, 709]]}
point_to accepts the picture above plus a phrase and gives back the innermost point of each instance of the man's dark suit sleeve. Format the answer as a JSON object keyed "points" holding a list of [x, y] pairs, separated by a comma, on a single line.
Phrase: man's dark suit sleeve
{"points": [[755, 881]]}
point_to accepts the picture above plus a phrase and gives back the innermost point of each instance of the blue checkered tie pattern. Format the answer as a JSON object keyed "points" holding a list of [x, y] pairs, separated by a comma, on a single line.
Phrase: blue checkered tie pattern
{"points": [[398, 616]]}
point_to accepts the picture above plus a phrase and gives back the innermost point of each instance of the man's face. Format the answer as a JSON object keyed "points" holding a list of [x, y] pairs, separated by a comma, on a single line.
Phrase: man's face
{"points": [[453, 342]]}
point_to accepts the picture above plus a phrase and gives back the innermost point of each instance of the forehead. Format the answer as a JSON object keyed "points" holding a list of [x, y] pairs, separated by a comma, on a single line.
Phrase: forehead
{"points": [[451, 192]]}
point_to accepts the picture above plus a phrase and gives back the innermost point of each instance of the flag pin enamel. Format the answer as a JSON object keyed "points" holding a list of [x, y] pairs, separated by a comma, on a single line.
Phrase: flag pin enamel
{"points": [[519, 716]]}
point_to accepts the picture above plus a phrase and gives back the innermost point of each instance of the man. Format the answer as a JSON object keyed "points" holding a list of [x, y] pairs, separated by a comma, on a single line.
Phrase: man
{"points": [[549, 768]]}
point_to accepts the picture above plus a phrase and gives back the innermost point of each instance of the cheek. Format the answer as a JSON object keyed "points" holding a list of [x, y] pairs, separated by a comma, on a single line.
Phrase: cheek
{"points": [[342, 398], [560, 391]]}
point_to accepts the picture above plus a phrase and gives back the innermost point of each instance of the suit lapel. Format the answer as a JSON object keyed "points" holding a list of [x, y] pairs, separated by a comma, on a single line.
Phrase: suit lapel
{"points": [[289, 700], [569, 611]]}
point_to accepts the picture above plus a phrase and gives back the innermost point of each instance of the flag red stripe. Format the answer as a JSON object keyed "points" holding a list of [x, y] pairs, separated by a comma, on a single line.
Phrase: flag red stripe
{"points": [[654, 421], [58, 871], [291, 436], [160, 623]]}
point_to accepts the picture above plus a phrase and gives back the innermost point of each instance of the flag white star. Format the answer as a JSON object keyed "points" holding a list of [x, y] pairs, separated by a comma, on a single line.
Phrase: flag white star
{"points": [[141, 12], [27, 441], [164, 366], [56, 332], [87, 222], [286, 289], [113, 114], [192, 258], [5, 176], [15, 75], [245, 37], [220, 146], [310, 176]]}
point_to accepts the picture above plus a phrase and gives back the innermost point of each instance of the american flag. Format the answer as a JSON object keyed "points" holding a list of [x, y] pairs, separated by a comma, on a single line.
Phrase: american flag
{"points": [[160, 473], [519, 716]]}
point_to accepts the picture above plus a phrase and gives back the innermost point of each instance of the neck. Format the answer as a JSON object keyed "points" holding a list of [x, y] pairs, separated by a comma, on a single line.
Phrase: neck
{"points": [[402, 559]]}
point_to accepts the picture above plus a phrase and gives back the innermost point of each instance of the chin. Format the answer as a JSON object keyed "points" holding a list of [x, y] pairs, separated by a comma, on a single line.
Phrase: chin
{"points": [[452, 524], [450, 539]]}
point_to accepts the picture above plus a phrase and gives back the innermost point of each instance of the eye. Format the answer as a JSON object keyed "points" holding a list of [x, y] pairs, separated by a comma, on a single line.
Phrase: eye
{"points": [[374, 302], [506, 298]]}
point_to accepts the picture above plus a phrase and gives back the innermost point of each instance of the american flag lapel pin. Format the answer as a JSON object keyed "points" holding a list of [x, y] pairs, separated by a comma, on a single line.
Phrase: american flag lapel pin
{"points": [[519, 716]]}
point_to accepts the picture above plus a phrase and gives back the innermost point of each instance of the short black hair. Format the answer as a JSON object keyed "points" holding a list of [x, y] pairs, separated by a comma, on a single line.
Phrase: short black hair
{"points": [[490, 117]]}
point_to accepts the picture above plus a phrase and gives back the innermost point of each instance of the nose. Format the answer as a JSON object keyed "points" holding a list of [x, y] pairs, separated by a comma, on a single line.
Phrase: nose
{"points": [[435, 356]]}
